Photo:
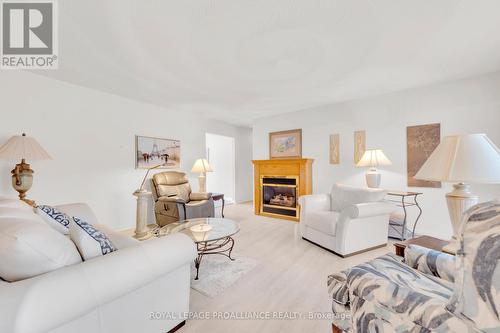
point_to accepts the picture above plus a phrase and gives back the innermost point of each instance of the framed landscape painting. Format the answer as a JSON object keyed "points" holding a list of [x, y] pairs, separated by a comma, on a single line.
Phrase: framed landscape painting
{"points": [[285, 144], [150, 152]]}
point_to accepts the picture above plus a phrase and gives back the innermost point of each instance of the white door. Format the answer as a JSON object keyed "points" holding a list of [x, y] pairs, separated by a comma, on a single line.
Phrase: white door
{"points": [[221, 157]]}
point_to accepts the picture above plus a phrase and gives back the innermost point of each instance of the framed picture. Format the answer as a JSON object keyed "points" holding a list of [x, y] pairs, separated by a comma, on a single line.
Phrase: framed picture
{"points": [[334, 149], [359, 145], [421, 141], [285, 144], [150, 152]]}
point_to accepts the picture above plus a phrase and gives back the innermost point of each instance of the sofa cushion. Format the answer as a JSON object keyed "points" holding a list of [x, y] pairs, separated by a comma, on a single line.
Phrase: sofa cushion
{"points": [[90, 241], [337, 288], [15, 203], [323, 221], [55, 218], [30, 247], [386, 282], [343, 196], [436, 263]]}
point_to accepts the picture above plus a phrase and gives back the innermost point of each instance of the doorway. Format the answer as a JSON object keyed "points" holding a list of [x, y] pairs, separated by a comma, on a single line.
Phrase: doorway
{"points": [[221, 157]]}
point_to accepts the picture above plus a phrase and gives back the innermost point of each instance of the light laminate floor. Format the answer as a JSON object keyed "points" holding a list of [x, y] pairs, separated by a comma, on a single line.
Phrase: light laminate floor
{"points": [[291, 276]]}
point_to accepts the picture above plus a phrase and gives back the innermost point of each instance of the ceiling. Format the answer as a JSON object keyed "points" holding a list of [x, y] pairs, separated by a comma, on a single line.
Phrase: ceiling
{"points": [[239, 60]]}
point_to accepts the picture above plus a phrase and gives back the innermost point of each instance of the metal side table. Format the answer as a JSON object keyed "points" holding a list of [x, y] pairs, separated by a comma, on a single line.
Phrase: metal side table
{"points": [[405, 200]]}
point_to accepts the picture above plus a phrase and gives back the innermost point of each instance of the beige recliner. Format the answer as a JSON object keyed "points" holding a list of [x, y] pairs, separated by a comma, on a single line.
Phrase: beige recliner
{"points": [[174, 200]]}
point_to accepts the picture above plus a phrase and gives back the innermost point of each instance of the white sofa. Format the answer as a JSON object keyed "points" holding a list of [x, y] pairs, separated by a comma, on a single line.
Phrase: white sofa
{"points": [[116, 292], [346, 221]]}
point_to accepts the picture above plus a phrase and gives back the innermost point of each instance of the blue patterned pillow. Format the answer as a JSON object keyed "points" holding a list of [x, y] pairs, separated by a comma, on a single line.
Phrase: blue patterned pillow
{"points": [[89, 241], [55, 218]]}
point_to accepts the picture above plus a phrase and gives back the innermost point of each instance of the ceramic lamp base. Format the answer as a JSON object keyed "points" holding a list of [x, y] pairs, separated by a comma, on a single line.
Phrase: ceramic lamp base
{"points": [[202, 180], [373, 178], [22, 180], [458, 200]]}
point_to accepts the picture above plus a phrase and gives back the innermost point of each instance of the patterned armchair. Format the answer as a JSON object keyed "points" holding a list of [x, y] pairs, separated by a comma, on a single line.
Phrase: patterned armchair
{"points": [[427, 291]]}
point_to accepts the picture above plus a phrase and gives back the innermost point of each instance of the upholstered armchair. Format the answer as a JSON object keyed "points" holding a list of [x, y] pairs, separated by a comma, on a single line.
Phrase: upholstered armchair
{"points": [[427, 291], [346, 221], [174, 200]]}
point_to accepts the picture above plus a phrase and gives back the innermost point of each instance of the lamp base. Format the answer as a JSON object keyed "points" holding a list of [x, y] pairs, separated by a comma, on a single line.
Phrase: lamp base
{"points": [[22, 180], [459, 200], [202, 180], [373, 178]]}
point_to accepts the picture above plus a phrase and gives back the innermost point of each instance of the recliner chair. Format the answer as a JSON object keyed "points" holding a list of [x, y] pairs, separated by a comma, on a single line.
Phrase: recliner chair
{"points": [[174, 200]]}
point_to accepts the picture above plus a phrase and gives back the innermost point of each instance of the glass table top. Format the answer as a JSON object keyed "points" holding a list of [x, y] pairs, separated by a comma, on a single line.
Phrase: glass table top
{"points": [[219, 228]]}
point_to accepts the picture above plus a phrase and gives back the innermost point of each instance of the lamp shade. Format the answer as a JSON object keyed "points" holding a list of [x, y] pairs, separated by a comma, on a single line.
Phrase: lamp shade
{"points": [[201, 165], [23, 147], [471, 158], [373, 158]]}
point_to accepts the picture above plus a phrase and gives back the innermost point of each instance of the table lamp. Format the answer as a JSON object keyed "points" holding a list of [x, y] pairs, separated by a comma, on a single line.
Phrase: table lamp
{"points": [[463, 160], [22, 147], [373, 158], [201, 165]]}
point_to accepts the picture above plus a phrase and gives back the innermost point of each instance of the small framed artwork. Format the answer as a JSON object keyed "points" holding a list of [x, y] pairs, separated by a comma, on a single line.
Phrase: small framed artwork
{"points": [[334, 149], [285, 144], [150, 152], [359, 145]]}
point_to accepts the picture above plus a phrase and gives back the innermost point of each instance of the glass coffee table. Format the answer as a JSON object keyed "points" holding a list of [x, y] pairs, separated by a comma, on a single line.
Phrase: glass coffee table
{"points": [[211, 235]]}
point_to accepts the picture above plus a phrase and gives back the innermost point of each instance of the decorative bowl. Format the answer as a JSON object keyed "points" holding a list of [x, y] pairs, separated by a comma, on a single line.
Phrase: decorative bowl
{"points": [[201, 228]]}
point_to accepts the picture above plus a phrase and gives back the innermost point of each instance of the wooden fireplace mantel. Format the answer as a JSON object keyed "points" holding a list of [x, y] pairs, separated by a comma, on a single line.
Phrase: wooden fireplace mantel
{"points": [[300, 168]]}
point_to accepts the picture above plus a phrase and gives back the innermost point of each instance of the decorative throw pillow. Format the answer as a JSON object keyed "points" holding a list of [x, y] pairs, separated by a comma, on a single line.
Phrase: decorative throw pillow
{"points": [[55, 218], [89, 241]]}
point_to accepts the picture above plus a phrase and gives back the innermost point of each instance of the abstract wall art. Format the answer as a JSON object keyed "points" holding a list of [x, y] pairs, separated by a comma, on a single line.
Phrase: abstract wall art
{"points": [[359, 145], [421, 141], [335, 149]]}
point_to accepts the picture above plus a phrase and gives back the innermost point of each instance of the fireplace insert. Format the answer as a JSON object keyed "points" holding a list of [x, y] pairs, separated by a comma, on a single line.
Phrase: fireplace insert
{"points": [[279, 195]]}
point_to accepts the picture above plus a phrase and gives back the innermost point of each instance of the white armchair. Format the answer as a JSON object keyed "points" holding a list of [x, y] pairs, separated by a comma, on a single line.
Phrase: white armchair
{"points": [[347, 221]]}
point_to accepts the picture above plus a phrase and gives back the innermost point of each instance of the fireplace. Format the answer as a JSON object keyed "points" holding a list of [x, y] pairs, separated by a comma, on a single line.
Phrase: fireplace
{"points": [[278, 184], [279, 195]]}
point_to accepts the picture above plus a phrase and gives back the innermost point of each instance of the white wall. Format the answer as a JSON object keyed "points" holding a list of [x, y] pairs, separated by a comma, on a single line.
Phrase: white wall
{"points": [[220, 151], [90, 135], [465, 106]]}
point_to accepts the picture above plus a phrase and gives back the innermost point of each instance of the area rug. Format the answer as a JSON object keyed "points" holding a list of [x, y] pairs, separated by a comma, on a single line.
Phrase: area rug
{"points": [[217, 273]]}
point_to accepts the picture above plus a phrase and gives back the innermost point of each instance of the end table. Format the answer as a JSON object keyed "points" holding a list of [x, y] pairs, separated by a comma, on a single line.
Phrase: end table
{"points": [[401, 201], [219, 196], [424, 241]]}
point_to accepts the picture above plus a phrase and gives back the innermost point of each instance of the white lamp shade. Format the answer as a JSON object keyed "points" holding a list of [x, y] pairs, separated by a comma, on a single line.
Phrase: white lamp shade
{"points": [[21, 146], [471, 158], [373, 158], [201, 165]]}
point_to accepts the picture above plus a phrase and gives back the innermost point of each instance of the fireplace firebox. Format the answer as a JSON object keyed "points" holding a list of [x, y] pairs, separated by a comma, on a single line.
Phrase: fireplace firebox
{"points": [[279, 195]]}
